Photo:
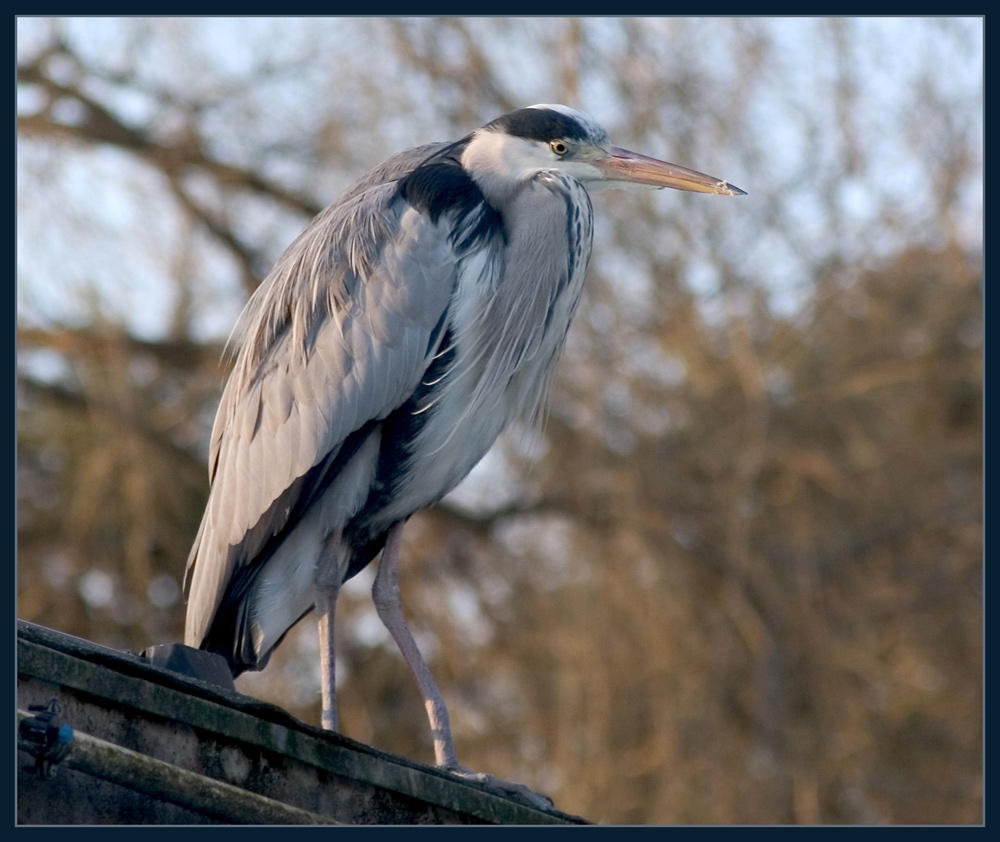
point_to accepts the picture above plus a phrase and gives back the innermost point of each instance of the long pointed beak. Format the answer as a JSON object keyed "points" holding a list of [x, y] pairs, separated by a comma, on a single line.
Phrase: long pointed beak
{"points": [[622, 165]]}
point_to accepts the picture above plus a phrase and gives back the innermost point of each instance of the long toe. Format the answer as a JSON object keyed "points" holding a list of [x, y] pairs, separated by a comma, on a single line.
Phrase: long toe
{"points": [[505, 789]]}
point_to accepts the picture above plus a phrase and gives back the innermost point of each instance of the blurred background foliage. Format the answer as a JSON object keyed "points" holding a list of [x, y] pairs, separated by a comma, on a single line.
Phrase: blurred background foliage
{"points": [[737, 575]]}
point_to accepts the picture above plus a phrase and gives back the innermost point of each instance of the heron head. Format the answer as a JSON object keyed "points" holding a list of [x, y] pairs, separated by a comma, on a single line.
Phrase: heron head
{"points": [[543, 137]]}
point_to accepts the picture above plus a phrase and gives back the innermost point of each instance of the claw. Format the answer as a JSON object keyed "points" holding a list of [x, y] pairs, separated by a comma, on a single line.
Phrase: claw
{"points": [[505, 789]]}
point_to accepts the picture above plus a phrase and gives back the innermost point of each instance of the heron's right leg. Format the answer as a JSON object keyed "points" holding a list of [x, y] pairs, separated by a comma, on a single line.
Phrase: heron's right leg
{"points": [[327, 581], [385, 593]]}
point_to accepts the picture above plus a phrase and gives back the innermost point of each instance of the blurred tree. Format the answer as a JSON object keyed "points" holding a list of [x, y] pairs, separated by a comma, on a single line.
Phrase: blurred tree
{"points": [[737, 576]]}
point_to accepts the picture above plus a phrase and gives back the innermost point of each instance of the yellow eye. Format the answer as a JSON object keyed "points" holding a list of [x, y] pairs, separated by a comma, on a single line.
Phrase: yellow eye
{"points": [[559, 147]]}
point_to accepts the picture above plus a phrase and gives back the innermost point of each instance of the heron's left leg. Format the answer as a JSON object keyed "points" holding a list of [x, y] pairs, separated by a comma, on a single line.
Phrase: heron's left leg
{"points": [[327, 581], [385, 594]]}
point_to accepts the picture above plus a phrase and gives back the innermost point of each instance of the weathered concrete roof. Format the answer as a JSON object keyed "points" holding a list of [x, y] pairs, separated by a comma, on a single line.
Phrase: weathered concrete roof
{"points": [[120, 698]]}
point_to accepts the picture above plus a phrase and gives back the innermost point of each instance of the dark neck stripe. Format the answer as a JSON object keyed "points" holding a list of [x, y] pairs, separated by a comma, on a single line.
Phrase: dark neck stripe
{"points": [[441, 186]]}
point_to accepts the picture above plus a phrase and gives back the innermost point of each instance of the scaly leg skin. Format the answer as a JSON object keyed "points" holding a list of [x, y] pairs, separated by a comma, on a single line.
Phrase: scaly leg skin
{"points": [[327, 581], [385, 594]]}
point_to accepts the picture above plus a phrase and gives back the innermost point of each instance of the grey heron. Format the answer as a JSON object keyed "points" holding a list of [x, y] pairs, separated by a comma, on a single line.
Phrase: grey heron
{"points": [[393, 341]]}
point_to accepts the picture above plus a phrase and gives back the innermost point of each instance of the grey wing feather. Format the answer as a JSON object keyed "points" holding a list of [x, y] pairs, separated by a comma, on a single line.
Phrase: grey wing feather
{"points": [[337, 336]]}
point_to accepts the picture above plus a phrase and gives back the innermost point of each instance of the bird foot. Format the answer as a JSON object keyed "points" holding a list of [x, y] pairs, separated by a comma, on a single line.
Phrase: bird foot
{"points": [[506, 789]]}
